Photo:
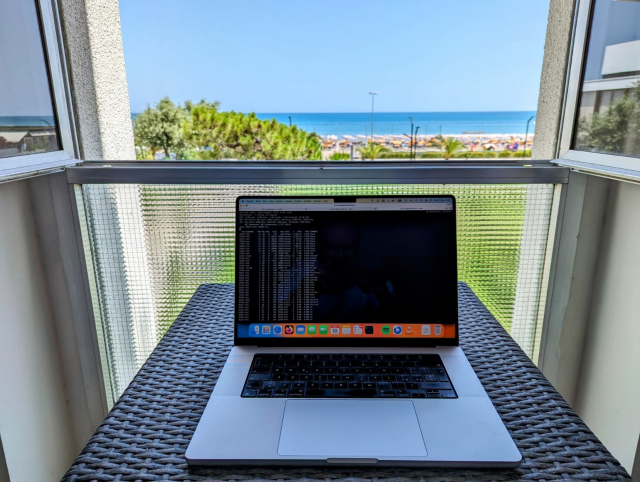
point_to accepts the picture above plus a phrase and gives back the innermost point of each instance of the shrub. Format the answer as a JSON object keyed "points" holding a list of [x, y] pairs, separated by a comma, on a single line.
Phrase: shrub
{"points": [[505, 153], [340, 156], [432, 155], [476, 154], [394, 155]]}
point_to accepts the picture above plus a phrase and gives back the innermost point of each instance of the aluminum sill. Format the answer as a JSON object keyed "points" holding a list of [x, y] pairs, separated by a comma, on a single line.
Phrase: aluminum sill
{"points": [[317, 172]]}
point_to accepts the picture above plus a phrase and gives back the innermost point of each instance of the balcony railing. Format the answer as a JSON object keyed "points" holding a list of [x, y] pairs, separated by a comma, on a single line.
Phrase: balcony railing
{"points": [[153, 243]]}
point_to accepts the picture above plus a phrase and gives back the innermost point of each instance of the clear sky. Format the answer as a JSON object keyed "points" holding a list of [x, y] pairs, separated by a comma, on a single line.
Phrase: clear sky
{"points": [[325, 56]]}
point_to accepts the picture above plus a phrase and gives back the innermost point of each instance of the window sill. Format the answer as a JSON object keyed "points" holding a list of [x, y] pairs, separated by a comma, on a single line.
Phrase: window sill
{"points": [[22, 167], [310, 172], [601, 170]]}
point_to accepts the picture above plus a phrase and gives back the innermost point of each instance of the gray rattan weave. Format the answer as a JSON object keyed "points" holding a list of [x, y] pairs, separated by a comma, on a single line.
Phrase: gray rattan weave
{"points": [[146, 434]]}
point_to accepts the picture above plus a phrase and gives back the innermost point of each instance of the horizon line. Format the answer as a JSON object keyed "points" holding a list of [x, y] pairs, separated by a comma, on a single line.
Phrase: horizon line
{"points": [[378, 112]]}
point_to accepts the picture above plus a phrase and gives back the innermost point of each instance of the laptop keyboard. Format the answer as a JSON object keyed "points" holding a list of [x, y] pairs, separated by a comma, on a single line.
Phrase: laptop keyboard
{"points": [[347, 376]]}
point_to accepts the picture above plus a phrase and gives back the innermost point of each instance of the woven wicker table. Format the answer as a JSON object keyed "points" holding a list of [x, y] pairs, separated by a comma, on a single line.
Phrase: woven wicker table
{"points": [[146, 434]]}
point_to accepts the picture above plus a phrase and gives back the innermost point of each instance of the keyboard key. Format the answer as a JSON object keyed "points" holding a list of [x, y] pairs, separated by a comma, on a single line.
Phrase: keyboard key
{"points": [[355, 386], [403, 393], [313, 385], [341, 385], [249, 393], [284, 385], [433, 395], [430, 378], [269, 384], [441, 374], [296, 392], [264, 393], [417, 394], [387, 394], [297, 385], [436, 386], [259, 377], [412, 386], [255, 385], [448, 394], [279, 392], [326, 385]]}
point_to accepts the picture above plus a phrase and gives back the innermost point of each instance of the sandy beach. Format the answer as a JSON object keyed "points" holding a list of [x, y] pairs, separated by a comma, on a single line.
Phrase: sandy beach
{"points": [[399, 143]]}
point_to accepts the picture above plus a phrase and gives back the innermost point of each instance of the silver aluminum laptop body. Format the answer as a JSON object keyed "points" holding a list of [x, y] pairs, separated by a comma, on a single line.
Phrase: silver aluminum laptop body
{"points": [[432, 432]]}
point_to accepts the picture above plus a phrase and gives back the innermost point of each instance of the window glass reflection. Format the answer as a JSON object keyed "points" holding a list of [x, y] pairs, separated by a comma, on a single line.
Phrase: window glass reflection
{"points": [[27, 121]]}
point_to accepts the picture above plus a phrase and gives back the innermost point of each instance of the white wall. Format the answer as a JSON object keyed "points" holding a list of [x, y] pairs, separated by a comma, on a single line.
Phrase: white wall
{"points": [[608, 394], [33, 412]]}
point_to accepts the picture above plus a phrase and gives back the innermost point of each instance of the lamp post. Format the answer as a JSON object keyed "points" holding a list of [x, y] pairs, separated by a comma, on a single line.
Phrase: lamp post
{"points": [[373, 96], [410, 139], [524, 148]]}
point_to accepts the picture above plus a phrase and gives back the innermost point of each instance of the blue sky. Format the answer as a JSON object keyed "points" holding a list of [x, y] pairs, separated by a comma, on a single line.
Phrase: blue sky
{"points": [[304, 56]]}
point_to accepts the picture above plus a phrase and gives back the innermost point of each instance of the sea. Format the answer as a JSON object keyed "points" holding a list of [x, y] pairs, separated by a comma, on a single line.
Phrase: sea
{"points": [[384, 123], [399, 123], [27, 121]]}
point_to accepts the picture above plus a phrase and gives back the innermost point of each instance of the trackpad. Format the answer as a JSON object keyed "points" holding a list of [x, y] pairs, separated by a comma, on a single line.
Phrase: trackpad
{"points": [[351, 428]]}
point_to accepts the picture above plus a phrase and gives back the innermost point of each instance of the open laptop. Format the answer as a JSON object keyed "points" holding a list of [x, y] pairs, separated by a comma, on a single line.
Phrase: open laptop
{"points": [[346, 341]]}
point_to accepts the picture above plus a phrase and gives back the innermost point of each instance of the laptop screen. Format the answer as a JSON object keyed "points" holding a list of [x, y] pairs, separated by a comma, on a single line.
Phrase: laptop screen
{"points": [[337, 271]]}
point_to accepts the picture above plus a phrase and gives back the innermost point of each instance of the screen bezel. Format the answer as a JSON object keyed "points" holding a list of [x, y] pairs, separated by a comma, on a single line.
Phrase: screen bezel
{"points": [[337, 341]]}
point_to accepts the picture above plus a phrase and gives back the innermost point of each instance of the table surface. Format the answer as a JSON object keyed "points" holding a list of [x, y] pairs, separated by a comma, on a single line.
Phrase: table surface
{"points": [[147, 432]]}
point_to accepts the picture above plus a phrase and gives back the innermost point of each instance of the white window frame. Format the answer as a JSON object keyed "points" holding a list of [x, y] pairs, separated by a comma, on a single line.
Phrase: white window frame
{"points": [[607, 165], [16, 167]]}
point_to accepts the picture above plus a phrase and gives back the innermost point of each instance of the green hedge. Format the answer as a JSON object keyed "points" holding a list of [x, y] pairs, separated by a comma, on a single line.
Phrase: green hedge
{"points": [[459, 155], [394, 155]]}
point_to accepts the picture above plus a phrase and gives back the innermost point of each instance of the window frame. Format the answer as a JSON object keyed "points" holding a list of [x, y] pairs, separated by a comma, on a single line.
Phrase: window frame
{"points": [[614, 166], [16, 167]]}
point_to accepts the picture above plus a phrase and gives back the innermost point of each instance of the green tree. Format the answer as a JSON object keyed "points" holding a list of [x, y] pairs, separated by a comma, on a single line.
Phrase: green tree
{"points": [[340, 156], [233, 135], [449, 145], [160, 128], [617, 130], [372, 151]]}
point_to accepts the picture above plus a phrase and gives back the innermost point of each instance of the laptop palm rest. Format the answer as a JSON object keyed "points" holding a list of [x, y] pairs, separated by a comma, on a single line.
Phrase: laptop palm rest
{"points": [[351, 429]]}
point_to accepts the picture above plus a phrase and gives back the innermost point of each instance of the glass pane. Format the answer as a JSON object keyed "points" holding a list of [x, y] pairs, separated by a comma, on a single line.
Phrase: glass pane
{"points": [[325, 87], [27, 121], [153, 245], [609, 107]]}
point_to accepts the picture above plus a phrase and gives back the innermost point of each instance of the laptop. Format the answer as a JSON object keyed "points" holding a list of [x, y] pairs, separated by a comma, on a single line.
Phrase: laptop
{"points": [[346, 341]]}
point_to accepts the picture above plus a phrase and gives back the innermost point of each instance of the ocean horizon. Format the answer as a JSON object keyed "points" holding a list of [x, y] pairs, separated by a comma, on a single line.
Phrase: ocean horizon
{"points": [[359, 123], [398, 123]]}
